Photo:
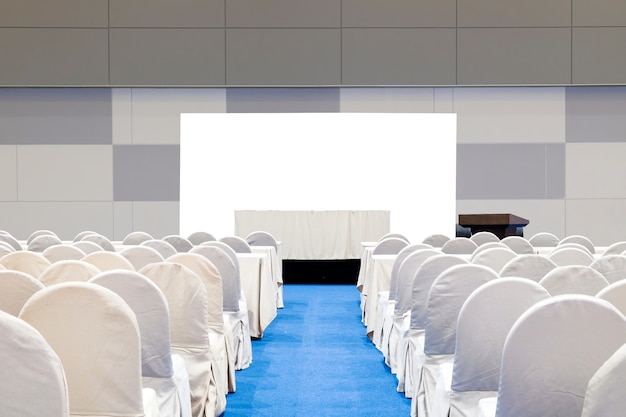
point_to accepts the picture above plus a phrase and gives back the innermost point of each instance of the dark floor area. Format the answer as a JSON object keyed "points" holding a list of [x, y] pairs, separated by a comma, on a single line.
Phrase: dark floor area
{"points": [[340, 271]]}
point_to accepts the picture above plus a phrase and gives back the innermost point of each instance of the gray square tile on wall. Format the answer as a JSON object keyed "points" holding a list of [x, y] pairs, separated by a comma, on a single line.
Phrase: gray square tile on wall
{"points": [[282, 100], [146, 172], [595, 114]]}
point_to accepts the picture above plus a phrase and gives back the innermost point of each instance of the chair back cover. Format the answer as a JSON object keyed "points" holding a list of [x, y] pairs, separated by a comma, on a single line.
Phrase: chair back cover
{"points": [[181, 243], [5, 248], [494, 258], [106, 261], [613, 267], [570, 256], [238, 244], [33, 380], [41, 242], [422, 283], [164, 248], [63, 252], [226, 248], [141, 256], [402, 255], [605, 391], [529, 266], [32, 263], [67, 271], [574, 279], [480, 238], [11, 241], [231, 284], [261, 238], [544, 240], [436, 240], [459, 246], [82, 234], [95, 334], [16, 288], [488, 245], [135, 238], [406, 273], [100, 240], [198, 237], [39, 233], [389, 246], [551, 353], [615, 248], [518, 244], [615, 294], [88, 246], [582, 240], [396, 235]]}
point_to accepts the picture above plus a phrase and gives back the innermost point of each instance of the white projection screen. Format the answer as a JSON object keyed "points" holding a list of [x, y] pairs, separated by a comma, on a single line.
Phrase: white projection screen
{"points": [[404, 163]]}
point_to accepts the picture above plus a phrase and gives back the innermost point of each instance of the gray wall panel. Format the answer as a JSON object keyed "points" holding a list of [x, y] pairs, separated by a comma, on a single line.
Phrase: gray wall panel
{"points": [[54, 57], [55, 116], [598, 13], [555, 165], [159, 218], [514, 13], [598, 55], [511, 171], [57, 13], [283, 13], [167, 13], [8, 173], [146, 172], [398, 13], [398, 56], [283, 56], [387, 100], [282, 100], [514, 56], [167, 56], [595, 114]]}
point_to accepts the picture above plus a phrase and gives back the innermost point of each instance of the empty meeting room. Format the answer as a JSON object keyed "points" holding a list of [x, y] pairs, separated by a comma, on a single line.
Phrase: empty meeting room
{"points": [[328, 126]]}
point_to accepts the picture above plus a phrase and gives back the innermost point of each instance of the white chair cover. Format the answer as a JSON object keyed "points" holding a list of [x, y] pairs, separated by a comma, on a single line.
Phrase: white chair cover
{"points": [[480, 238], [39, 232], [164, 248], [238, 244], [389, 246], [615, 248], [615, 294], [396, 235], [100, 240], [62, 252], [483, 324], [494, 258], [5, 248], [605, 391], [107, 261], [436, 240], [95, 334], [261, 238], [459, 246], [181, 243], [171, 385], [221, 344], [570, 256], [488, 245], [613, 267], [82, 234], [189, 309], [528, 266], [40, 243], [16, 288], [33, 380], [135, 238], [32, 263], [445, 299], [544, 240], [551, 353], [582, 240], [141, 256], [197, 238], [573, 279], [67, 271], [411, 345], [11, 241], [518, 244], [88, 246]]}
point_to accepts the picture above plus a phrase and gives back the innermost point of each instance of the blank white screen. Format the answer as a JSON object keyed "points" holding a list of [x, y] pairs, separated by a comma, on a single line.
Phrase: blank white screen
{"points": [[401, 162]]}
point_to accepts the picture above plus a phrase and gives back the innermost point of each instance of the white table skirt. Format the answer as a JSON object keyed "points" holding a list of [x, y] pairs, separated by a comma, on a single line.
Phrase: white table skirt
{"points": [[259, 289]]}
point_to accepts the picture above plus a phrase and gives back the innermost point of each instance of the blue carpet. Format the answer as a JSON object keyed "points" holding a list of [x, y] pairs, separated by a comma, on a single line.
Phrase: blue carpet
{"points": [[315, 360]]}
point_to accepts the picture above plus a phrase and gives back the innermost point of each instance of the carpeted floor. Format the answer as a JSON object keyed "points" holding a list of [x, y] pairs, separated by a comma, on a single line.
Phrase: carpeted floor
{"points": [[315, 360]]}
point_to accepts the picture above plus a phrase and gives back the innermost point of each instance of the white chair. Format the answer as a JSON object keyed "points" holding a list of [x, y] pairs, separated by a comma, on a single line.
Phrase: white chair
{"points": [[100, 240], [40, 243], [95, 334], [615, 293], [389, 246], [551, 353], [459, 246], [238, 244], [615, 248], [483, 324], [39, 232], [570, 256], [261, 238], [15, 289], [445, 299], [5, 249], [518, 244], [394, 235], [68, 271], [181, 243], [197, 238], [106, 261], [571, 245], [411, 345], [32, 263], [494, 258], [141, 256], [544, 240], [11, 241], [573, 279], [87, 246], [605, 391], [613, 267], [164, 248], [234, 304], [436, 240], [480, 238], [221, 345], [33, 380], [580, 239], [189, 310], [63, 252], [488, 245], [79, 236], [135, 238], [528, 266], [161, 370]]}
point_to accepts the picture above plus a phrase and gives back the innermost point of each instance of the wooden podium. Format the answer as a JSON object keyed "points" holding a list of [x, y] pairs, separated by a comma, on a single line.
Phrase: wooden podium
{"points": [[502, 225]]}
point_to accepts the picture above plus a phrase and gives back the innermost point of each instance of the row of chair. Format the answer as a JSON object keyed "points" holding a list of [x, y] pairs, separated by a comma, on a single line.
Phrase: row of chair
{"points": [[426, 322]]}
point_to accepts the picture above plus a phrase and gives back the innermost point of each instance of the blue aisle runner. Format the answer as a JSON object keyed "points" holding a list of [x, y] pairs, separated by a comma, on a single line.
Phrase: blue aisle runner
{"points": [[315, 360]]}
